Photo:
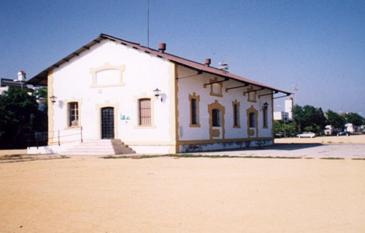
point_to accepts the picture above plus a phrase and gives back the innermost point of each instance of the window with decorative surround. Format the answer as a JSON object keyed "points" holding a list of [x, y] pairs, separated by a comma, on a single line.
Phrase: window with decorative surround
{"points": [[251, 95], [107, 76], [216, 89]]}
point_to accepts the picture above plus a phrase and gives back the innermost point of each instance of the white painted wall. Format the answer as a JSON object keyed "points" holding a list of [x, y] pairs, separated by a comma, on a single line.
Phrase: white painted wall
{"points": [[187, 86], [142, 73]]}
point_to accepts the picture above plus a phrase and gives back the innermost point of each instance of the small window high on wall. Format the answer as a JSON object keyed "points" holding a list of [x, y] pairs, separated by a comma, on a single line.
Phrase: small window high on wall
{"points": [[73, 114], [144, 111]]}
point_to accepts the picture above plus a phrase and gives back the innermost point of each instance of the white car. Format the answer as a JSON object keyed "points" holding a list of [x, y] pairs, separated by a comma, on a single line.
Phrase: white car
{"points": [[306, 135]]}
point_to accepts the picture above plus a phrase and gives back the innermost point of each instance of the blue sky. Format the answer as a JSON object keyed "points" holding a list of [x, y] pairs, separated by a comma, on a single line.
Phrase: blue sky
{"points": [[316, 46]]}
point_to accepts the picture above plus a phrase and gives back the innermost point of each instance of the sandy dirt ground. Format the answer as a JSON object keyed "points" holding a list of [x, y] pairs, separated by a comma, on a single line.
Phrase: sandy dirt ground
{"points": [[353, 139], [183, 195]]}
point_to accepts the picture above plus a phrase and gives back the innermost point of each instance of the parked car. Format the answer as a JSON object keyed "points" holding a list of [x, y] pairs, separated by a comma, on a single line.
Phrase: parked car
{"points": [[343, 133], [279, 135], [306, 135]]}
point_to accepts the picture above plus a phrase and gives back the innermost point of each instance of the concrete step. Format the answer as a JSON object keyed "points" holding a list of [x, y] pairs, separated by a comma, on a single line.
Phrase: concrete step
{"points": [[99, 147]]}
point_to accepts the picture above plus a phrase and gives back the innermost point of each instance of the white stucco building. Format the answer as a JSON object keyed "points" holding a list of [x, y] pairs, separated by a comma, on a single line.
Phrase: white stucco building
{"points": [[287, 114], [151, 101]]}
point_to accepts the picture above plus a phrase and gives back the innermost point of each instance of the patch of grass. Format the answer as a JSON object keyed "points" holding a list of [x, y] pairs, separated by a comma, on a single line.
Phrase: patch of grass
{"points": [[14, 156], [333, 158], [26, 158], [182, 156]]}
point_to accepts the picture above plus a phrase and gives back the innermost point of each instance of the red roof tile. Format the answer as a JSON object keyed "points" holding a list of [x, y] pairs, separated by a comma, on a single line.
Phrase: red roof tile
{"points": [[41, 78]]}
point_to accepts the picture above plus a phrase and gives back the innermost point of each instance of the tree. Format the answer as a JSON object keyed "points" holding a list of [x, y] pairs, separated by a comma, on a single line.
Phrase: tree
{"points": [[309, 118], [354, 118], [286, 129], [19, 116], [335, 119], [298, 117]]}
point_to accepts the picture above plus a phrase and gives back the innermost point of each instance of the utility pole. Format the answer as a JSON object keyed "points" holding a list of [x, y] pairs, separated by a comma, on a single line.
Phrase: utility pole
{"points": [[148, 23]]}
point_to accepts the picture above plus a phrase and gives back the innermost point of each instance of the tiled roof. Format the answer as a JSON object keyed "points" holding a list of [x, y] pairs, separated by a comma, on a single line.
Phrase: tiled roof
{"points": [[41, 78]]}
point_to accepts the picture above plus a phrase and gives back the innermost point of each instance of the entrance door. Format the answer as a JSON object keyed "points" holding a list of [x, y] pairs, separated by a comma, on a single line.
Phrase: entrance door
{"points": [[252, 122], [107, 123], [216, 124]]}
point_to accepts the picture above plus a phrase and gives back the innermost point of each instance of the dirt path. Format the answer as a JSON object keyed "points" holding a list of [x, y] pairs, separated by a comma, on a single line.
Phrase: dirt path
{"points": [[183, 195]]}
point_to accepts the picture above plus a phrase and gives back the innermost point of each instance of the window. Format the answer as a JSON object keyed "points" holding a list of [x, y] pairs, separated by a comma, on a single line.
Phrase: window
{"points": [[216, 118], [194, 120], [251, 120], [252, 96], [194, 110], [264, 115], [144, 109], [236, 114], [107, 75], [73, 114], [216, 88]]}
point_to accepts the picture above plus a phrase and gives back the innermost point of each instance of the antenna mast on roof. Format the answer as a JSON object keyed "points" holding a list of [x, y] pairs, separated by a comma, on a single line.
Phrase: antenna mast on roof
{"points": [[148, 23]]}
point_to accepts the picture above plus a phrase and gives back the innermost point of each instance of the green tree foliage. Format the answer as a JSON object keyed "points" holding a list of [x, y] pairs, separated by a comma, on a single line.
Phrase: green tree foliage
{"points": [[309, 118], [354, 118], [19, 116], [335, 119], [286, 129]]}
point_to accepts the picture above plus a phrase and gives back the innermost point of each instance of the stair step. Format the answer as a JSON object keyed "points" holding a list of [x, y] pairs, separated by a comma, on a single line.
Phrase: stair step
{"points": [[99, 147]]}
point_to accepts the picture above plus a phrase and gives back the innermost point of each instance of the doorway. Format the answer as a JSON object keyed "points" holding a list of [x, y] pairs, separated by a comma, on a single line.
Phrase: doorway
{"points": [[107, 123], [216, 120], [252, 122]]}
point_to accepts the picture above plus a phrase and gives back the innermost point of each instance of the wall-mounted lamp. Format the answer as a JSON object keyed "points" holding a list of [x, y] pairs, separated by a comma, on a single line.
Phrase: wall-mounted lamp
{"points": [[157, 93], [265, 106], [53, 99]]}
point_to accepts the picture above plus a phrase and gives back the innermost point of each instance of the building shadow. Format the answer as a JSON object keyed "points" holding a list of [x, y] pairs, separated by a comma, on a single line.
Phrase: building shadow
{"points": [[291, 146]]}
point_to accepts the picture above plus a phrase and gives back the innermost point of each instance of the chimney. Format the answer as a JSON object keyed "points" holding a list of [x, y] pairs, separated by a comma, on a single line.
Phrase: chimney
{"points": [[162, 47], [207, 61]]}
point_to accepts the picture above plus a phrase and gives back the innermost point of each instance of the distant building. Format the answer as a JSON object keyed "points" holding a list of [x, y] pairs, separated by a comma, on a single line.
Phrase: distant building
{"points": [[289, 108], [287, 114], [281, 116], [18, 82]]}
